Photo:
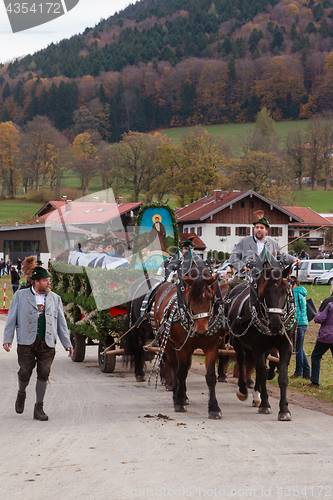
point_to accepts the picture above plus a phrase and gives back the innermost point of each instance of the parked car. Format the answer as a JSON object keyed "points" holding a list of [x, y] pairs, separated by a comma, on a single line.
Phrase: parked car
{"points": [[311, 270], [325, 278]]}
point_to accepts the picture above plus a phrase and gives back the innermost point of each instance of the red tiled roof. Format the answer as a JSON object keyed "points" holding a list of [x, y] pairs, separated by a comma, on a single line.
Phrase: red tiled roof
{"points": [[201, 209], [89, 213], [309, 217], [196, 240]]}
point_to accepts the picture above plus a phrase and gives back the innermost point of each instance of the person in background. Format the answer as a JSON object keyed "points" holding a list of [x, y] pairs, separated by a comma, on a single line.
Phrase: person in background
{"points": [[15, 278], [19, 265], [3, 267], [302, 365], [324, 340], [9, 265]]}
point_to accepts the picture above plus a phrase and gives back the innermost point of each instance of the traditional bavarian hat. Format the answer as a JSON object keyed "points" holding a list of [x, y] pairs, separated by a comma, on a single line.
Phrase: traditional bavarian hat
{"points": [[39, 263], [40, 273], [261, 219], [187, 243]]}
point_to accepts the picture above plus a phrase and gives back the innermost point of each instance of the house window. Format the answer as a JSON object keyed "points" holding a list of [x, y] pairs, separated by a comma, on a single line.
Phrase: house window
{"points": [[251, 204], [199, 231], [303, 233], [275, 231], [192, 230], [242, 204], [223, 231], [291, 233], [185, 229], [242, 231]]}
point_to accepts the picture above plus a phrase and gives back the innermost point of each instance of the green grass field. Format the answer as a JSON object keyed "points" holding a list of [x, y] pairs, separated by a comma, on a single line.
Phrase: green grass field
{"points": [[20, 211], [232, 133], [321, 201]]}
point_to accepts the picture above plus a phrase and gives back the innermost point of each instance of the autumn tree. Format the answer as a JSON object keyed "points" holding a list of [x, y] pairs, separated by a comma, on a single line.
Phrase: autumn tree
{"points": [[327, 148], [200, 162], [84, 152], [314, 150], [297, 153], [9, 172], [40, 147], [106, 161], [137, 162], [259, 171]]}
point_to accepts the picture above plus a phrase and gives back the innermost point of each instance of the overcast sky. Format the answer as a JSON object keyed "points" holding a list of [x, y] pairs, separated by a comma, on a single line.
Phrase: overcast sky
{"points": [[87, 13]]}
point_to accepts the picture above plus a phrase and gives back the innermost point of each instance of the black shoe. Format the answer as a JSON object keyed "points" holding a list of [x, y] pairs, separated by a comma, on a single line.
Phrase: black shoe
{"points": [[19, 403], [294, 376], [39, 413], [313, 384], [306, 376]]}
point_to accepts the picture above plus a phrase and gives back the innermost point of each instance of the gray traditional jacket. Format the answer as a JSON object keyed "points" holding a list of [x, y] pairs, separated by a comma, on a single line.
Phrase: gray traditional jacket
{"points": [[246, 252], [23, 314]]}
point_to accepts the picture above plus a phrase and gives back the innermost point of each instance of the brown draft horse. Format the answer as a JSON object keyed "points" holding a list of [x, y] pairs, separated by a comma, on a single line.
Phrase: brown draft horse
{"points": [[261, 316], [200, 289]]}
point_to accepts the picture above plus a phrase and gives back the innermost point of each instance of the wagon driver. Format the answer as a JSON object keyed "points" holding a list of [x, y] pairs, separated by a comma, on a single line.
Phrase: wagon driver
{"points": [[37, 314], [249, 248]]}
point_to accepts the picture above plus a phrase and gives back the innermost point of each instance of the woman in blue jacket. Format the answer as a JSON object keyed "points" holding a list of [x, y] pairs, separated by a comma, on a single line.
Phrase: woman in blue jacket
{"points": [[302, 366]]}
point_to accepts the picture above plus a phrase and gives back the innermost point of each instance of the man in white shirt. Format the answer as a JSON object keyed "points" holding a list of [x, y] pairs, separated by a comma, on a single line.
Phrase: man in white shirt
{"points": [[249, 248]]}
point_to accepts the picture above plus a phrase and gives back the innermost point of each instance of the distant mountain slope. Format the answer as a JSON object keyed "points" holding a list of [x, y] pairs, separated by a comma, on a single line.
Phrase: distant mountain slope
{"points": [[165, 30], [166, 63]]}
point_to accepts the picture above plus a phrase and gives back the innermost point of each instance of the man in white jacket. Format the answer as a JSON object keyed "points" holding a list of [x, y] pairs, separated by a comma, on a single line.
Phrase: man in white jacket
{"points": [[37, 315]]}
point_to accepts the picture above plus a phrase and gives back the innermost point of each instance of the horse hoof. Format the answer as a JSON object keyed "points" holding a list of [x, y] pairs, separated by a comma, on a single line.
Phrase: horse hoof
{"points": [[223, 378], [187, 401], [241, 396], [256, 399], [168, 387], [264, 411], [215, 415], [284, 416], [180, 408], [140, 378]]}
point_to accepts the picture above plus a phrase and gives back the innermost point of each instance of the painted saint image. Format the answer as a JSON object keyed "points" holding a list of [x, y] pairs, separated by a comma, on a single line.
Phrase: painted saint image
{"points": [[157, 235]]}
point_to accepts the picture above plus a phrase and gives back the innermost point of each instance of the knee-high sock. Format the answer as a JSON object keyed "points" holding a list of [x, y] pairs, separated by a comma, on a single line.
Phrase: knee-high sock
{"points": [[22, 386], [40, 390]]}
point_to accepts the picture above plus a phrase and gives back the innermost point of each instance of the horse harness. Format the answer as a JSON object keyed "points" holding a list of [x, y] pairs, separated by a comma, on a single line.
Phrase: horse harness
{"points": [[258, 310]]}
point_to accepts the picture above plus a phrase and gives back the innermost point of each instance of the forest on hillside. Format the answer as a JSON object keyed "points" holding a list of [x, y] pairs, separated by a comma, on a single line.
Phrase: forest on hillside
{"points": [[147, 167], [161, 64]]}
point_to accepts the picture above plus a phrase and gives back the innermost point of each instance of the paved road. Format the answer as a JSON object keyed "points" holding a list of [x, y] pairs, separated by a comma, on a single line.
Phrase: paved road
{"points": [[105, 440]]}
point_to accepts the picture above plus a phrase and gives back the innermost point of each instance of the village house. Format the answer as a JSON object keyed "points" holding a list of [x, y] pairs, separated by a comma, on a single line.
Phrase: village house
{"points": [[220, 220], [311, 229]]}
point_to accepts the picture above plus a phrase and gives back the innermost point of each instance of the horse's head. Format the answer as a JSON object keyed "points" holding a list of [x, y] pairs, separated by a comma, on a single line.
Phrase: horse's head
{"points": [[273, 292], [199, 294]]}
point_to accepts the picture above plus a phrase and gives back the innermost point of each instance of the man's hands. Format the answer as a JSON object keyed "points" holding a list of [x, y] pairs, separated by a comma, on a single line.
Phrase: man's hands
{"points": [[298, 262], [7, 347]]}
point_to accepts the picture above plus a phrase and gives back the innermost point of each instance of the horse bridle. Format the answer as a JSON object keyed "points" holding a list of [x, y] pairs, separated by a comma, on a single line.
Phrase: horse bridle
{"points": [[208, 314]]}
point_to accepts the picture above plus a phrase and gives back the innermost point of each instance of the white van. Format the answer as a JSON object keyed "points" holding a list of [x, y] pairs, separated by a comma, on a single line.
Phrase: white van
{"points": [[312, 269]]}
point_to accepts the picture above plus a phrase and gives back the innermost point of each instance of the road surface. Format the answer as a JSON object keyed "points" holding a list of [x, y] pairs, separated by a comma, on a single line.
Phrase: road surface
{"points": [[111, 438]]}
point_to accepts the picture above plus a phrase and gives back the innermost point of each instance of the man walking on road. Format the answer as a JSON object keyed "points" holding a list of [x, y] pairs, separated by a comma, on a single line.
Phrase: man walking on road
{"points": [[37, 314]]}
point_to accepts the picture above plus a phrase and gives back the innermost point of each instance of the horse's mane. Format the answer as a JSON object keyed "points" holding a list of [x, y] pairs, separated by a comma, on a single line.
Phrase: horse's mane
{"points": [[200, 277], [264, 282]]}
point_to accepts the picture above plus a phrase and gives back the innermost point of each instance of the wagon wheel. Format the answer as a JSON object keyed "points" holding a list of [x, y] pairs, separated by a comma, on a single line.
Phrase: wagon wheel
{"points": [[79, 346], [107, 362]]}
